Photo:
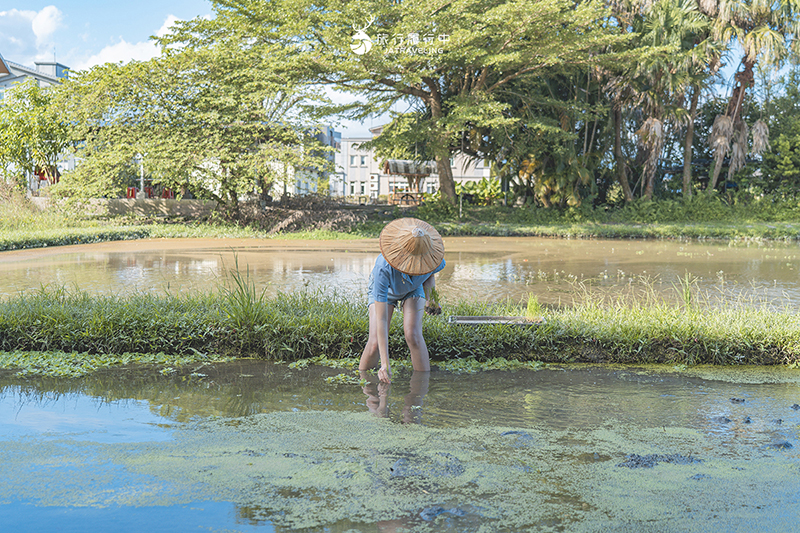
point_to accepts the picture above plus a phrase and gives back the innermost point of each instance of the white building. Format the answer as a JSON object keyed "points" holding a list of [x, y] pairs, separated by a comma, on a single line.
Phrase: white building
{"points": [[362, 172], [301, 181], [46, 73]]}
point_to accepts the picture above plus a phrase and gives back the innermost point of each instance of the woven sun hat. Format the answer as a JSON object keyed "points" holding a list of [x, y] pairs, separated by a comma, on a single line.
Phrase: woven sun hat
{"points": [[412, 246]]}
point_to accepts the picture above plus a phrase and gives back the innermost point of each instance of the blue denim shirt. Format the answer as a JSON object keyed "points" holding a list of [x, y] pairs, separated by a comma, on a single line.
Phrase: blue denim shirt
{"points": [[390, 285]]}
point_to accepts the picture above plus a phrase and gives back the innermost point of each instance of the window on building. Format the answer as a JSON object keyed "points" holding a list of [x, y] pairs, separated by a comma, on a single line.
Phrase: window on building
{"points": [[353, 160], [352, 189], [363, 188], [363, 160]]}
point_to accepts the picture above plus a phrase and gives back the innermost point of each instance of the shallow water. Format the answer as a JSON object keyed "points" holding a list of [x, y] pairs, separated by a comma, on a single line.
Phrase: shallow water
{"points": [[484, 269], [251, 445]]}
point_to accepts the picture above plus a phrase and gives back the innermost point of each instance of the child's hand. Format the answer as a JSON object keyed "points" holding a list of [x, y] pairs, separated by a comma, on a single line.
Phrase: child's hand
{"points": [[385, 374], [433, 308]]}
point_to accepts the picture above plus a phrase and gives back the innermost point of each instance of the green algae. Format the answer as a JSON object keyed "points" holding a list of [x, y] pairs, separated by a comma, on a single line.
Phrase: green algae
{"points": [[75, 364], [312, 469], [748, 374], [737, 374]]}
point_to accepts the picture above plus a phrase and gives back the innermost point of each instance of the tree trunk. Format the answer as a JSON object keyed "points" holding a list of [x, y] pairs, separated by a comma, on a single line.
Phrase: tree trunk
{"points": [[744, 80], [620, 161], [446, 183], [649, 176], [687, 146], [441, 147]]}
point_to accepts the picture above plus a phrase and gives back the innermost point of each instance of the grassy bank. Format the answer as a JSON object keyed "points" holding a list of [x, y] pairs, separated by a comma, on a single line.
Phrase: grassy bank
{"points": [[685, 231], [700, 217], [85, 234], [49, 230], [23, 226], [94, 233], [86, 331]]}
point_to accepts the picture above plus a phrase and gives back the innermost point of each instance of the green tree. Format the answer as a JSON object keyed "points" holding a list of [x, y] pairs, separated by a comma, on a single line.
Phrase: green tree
{"points": [[781, 165], [676, 57], [33, 137], [213, 115], [452, 61]]}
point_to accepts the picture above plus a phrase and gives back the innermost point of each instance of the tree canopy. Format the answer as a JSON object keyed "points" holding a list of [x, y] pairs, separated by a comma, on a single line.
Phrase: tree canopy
{"points": [[455, 63], [32, 135], [568, 101], [216, 118]]}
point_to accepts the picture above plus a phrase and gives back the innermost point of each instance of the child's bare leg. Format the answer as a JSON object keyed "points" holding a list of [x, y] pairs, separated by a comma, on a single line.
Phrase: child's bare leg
{"points": [[413, 309], [371, 355]]}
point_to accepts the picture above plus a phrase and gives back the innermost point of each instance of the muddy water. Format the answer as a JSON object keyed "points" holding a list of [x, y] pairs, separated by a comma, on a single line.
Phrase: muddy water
{"points": [[495, 269], [253, 446]]}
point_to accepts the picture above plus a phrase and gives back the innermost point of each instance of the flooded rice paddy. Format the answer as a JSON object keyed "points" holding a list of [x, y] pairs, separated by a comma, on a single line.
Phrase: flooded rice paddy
{"points": [[487, 269], [254, 446]]}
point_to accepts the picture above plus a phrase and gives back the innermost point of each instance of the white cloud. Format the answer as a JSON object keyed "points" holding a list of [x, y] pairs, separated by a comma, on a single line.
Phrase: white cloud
{"points": [[124, 51], [45, 23], [167, 26], [26, 35], [17, 40]]}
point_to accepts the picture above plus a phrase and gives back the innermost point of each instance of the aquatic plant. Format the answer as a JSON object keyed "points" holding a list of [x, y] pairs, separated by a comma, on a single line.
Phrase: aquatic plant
{"points": [[534, 308], [73, 364]]}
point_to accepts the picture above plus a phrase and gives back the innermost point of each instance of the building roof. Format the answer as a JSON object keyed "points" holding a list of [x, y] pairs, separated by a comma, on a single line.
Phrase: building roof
{"points": [[4, 70], [12, 72]]}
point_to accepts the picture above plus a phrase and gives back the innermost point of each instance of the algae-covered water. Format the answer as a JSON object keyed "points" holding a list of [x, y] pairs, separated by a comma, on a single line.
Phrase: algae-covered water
{"points": [[254, 446]]}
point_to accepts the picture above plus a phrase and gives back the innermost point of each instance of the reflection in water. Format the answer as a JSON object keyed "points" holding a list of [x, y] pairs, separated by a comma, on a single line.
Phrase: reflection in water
{"points": [[493, 450], [496, 269], [378, 395], [557, 397]]}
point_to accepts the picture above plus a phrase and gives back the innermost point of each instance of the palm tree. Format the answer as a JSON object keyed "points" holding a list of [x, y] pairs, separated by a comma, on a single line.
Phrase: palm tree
{"points": [[767, 32], [678, 27]]}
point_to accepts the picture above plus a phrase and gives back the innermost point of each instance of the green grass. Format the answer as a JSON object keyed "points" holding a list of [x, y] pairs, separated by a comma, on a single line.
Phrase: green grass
{"points": [[24, 226], [82, 332], [85, 233]]}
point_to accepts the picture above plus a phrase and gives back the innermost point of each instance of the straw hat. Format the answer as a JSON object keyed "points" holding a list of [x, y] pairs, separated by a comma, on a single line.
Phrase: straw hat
{"points": [[412, 246]]}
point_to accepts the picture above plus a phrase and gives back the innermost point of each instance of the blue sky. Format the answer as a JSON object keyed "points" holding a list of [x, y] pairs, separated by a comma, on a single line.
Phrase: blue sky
{"points": [[85, 33]]}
